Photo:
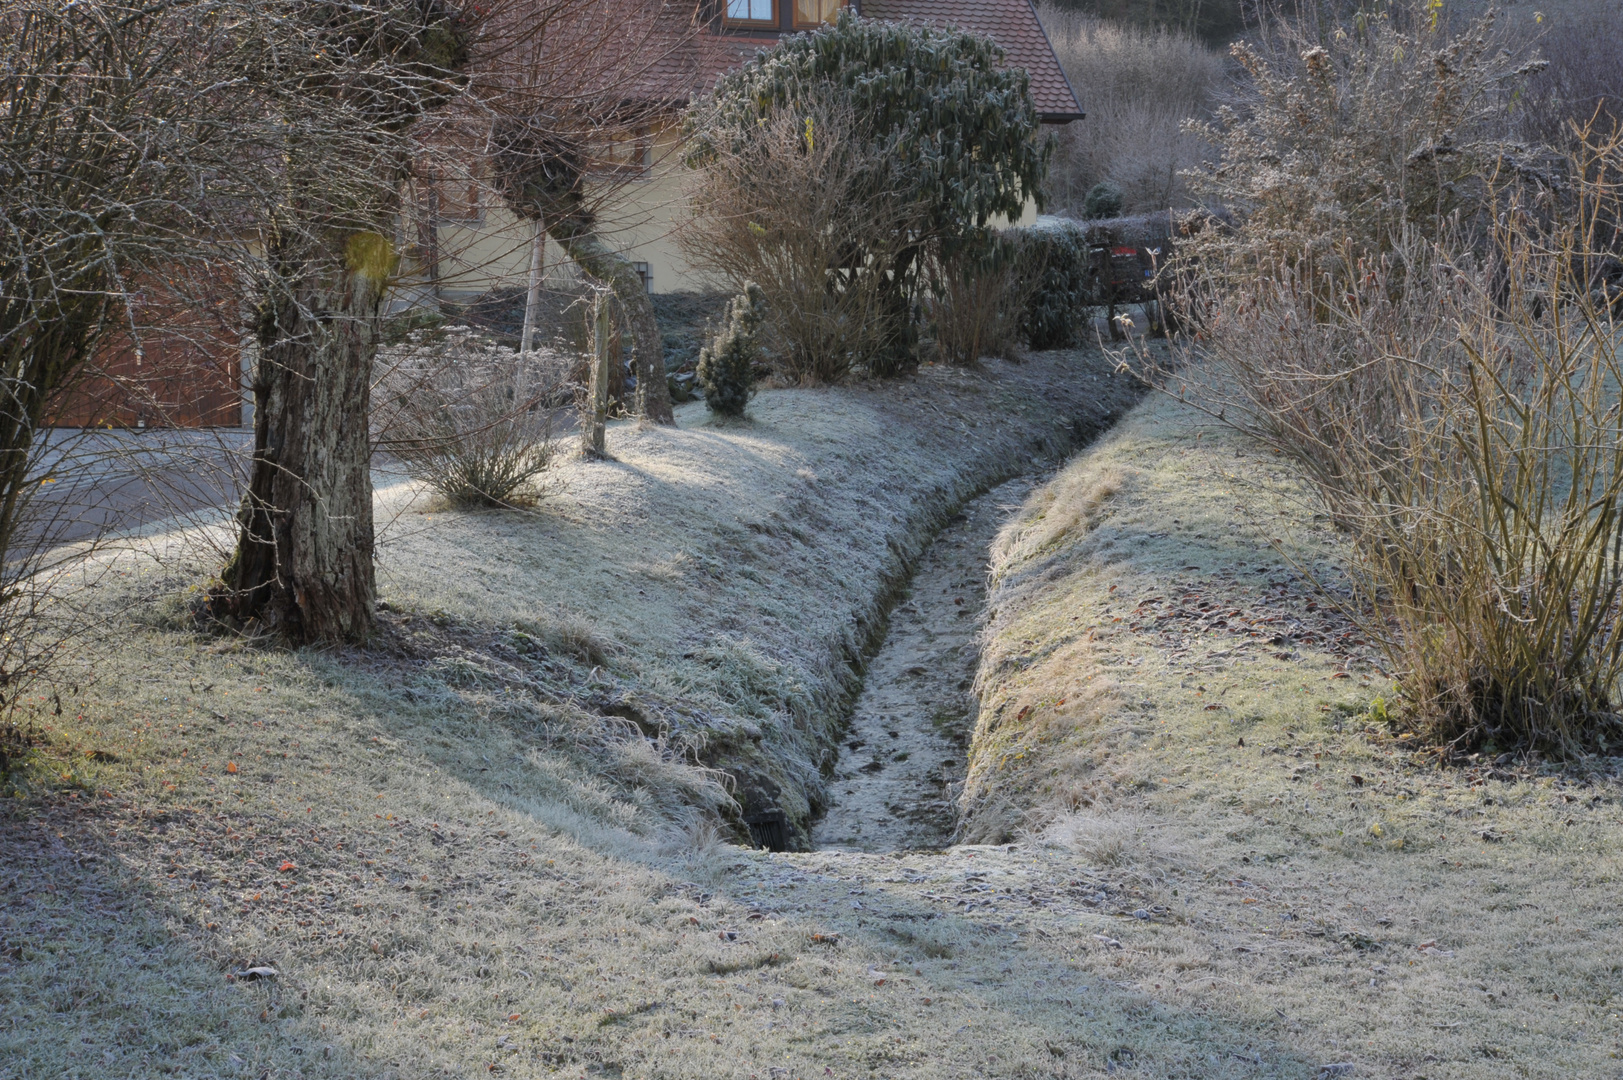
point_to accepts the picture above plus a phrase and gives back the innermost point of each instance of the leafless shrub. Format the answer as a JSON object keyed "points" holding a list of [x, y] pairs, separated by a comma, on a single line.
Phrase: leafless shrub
{"points": [[1352, 141], [978, 297], [112, 131], [567, 112], [1139, 87], [1460, 419], [785, 211], [471, 420]]}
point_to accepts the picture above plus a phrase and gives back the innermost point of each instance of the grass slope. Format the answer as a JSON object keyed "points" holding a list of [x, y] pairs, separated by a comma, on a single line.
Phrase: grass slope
{"points": [[490, 840], [1163, 692]]}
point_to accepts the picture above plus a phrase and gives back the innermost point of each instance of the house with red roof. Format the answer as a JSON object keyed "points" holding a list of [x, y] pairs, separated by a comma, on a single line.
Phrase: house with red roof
{"points": [[463, 243], [477, 245]]}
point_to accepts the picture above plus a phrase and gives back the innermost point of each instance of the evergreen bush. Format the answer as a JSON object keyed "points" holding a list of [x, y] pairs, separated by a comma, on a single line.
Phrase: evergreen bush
{"points": [[1103, 200], [946, 133], [726, 369], [1056, 309]]}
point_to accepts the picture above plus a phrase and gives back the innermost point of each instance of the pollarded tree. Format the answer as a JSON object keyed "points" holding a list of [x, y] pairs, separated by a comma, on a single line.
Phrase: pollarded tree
{"points": [[342, 85], [948, 134], [570, 106], [544, 173]]}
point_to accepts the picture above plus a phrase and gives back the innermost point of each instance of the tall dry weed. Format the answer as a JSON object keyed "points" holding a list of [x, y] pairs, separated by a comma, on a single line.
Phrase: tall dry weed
{"points": [[978, 297], [1139, 87], [1460, 415]]}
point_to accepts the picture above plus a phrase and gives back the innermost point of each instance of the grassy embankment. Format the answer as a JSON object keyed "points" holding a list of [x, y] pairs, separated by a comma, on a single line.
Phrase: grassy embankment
{"points": [[1163, 691], [475, 891], [477, 841]]}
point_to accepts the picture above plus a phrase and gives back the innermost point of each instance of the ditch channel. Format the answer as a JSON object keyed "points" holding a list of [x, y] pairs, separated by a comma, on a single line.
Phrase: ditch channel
{"points": [[902, 759]]}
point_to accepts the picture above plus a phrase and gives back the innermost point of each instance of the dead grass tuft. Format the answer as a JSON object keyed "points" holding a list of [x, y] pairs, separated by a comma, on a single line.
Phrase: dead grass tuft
{"points": [[1117, 840], [1059, 513], [567, 635]]}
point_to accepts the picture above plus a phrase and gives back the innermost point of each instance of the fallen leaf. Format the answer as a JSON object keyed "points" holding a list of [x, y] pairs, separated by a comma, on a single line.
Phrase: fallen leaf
{"points": [[286, 866], [231, 766]]}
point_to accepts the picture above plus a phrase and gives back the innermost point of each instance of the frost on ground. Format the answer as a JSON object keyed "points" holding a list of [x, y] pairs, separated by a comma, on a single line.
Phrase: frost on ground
{"points": [[901, 764], [492, 839], [468, 851], [730, 578], [1166, 697]]}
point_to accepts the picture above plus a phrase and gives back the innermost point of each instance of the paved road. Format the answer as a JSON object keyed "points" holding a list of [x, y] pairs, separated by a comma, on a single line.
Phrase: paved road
{"points": [[99, 482]]}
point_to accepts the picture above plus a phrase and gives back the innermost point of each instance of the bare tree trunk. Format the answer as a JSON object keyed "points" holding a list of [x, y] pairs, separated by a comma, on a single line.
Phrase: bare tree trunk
{"points": [[532, 296], [648, 351], [593, 444], [431, 241], [303, 565]]}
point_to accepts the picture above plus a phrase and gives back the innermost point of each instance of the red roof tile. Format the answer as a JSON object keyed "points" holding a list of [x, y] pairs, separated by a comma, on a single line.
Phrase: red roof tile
{"points": [[694, 67], [1012, 24]]}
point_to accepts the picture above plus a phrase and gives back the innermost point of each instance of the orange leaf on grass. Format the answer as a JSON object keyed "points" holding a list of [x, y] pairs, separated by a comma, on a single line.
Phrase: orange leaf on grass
{"points": [[231, 766], [286, 866]]}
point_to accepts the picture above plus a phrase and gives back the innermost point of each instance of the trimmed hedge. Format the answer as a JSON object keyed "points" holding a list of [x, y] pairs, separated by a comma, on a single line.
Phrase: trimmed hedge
{"points": [[1057, 309]]}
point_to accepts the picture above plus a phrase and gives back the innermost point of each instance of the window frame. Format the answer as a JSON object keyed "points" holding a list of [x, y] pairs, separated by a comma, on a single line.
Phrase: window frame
{"points": [[753, 24], [637, 166], [795, 16]]}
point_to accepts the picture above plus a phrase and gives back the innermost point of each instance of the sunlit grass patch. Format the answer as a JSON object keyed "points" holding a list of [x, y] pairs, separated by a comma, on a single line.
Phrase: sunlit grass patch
{"points": [[1166, 696]]}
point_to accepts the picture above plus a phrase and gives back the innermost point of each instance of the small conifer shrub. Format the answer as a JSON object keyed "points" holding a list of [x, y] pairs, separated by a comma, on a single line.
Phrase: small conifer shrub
{"points": [[726, 365], [1103, 200]]}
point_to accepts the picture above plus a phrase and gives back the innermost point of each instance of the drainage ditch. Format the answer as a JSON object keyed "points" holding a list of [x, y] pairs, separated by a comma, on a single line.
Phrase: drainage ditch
{"points": [[902, 760]]}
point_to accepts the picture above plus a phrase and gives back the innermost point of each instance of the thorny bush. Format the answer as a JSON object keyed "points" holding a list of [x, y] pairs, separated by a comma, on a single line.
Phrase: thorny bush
{"points": [[1354, 140]]}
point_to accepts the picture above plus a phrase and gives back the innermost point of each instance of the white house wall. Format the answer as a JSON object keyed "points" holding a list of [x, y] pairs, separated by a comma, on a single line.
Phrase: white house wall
{"points": [[638, 217]]}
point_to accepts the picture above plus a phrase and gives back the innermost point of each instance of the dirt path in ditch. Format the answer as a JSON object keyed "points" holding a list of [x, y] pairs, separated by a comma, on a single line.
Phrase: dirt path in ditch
{"points": [[902, 761]]}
